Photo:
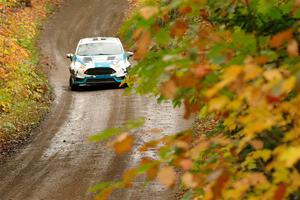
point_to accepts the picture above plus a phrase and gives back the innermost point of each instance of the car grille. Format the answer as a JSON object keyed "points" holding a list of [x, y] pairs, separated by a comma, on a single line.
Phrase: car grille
{"points": [[103, 80], [100, 71]]}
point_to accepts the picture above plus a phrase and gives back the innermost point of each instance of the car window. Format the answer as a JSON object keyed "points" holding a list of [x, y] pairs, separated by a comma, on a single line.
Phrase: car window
{"points": [[93, 49]]}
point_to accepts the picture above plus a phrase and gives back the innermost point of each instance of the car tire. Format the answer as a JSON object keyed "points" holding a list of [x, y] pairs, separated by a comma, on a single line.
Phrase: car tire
{"points": [[73, 86]]}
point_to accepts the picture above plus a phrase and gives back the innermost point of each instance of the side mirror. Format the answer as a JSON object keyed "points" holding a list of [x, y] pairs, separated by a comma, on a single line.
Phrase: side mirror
{"points": [[130, 54], [70, 55]]}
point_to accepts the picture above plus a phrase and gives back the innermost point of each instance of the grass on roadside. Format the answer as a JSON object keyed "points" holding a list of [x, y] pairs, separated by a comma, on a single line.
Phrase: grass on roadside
{"points": [[24, 90]]}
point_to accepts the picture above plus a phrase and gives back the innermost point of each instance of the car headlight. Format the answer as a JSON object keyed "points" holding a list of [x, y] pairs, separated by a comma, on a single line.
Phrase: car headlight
{"points": [[81, 69]]}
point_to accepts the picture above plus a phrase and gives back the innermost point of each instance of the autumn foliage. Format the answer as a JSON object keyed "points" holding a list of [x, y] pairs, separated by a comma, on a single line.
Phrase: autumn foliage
{"points": [[24, 92], [235, 64]]}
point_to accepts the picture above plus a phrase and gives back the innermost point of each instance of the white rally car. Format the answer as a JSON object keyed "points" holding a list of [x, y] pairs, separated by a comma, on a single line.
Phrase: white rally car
{"points": [[98, 60]]}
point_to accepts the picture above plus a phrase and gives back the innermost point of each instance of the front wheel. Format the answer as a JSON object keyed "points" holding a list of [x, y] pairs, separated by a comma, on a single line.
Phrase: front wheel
{"points": [[73, 86]]}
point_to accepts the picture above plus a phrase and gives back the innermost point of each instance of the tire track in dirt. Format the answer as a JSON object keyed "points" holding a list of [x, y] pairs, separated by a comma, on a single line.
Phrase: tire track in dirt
{"points": [[60, 164]]}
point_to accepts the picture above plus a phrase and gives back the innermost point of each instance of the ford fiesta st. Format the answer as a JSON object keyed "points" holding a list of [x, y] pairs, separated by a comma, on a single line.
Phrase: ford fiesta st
{"points": [[97, 61]]}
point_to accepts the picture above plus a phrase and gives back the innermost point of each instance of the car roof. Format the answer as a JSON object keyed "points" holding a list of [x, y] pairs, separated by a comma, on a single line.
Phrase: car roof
{"points": [[99, 40]]}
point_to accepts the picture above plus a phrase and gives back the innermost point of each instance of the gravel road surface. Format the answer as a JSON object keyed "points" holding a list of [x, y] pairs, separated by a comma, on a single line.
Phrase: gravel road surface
{"points": [[59, 163]]}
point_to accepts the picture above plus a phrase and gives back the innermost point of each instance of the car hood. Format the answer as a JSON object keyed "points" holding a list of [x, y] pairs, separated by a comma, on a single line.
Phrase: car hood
{"points": [[100, 61]]}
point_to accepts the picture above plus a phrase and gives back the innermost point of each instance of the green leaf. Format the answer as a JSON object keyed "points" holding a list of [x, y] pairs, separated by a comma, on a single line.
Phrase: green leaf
{"points": [[264, 6], [216, 54], [108, 133], [9, 126], [188, 195], [100, 186], [163, 37], [165, 153], [105, 134], [145, 167], [133, 124]]}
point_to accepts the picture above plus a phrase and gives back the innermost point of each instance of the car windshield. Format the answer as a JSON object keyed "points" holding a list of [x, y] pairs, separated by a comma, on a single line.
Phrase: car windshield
{"points": [[105, 48]]}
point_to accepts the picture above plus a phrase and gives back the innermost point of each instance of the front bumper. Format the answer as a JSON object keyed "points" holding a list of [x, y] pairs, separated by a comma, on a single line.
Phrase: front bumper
{"points": [[96, 80]]}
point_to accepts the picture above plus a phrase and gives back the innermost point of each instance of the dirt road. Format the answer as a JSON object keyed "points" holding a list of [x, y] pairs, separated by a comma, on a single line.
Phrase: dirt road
{"points": [[60, 164]]}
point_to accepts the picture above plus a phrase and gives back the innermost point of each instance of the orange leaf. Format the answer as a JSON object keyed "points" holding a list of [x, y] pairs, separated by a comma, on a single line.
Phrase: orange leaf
{"points": [[219, 185], [261, 60], [280, 38], [297, 3], [142, 45], [186, 81], [203, 13], [168, 89], [104, 194], [152, 173], [190, 109], [148, 11], [185, 10], [123, 144], [179, 28], [201, 71], [186, 164], [137, 33], [129, 176], [181, 144], [257, 144], [272, 99], [280, 192], [148, 145], [167, 176]]}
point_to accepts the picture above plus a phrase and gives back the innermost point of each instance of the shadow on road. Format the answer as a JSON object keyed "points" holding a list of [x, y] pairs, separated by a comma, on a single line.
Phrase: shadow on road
{"points": [[98, 88]]}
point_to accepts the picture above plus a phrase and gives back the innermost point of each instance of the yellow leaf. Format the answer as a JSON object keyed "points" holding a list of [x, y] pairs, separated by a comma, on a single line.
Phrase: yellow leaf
{"points": [[264, 154], [273, 74], [188, 180], [257, 178], [198, 149], [288, 85], [252, 72], [293, 48], [167, 176], [218, 103], [290, 156], [213, 91], [281, 175], [232, 72]]}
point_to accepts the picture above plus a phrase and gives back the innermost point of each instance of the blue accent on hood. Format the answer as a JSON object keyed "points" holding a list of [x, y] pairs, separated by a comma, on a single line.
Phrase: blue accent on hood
{"points": [[77, 59], [103, 64]]}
